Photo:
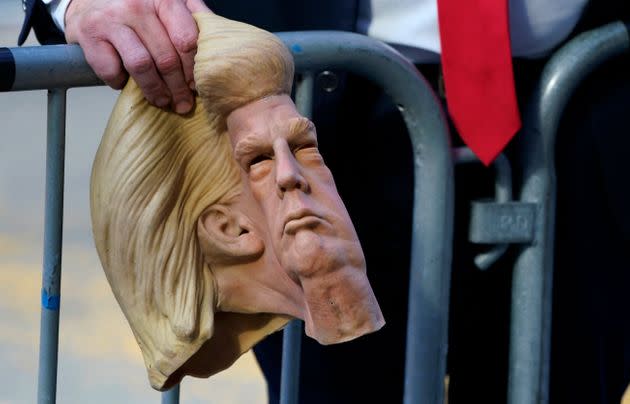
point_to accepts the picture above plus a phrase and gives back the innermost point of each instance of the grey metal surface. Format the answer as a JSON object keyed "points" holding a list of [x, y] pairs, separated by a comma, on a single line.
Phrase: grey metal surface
{"points": [[505, 222], [171, 396], [502, 193], [53, 66], [292, 334], [290, 376], [64, 66], [304, 94], [532, 279], [53, 227]]}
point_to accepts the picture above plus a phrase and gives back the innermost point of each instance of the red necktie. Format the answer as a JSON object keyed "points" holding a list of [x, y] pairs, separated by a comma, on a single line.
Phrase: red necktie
{"points": [[478, 77]]}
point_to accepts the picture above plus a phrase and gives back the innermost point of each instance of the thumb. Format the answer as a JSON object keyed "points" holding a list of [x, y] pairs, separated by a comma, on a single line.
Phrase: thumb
{"points": [[197, 6]]}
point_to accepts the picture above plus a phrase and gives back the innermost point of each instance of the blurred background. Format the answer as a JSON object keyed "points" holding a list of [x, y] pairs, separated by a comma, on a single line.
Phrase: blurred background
{"points": [[99, 360]]}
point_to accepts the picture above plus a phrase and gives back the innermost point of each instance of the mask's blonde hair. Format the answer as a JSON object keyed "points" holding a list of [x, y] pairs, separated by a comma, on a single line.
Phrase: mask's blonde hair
{"points": [[154, 175], [237, 63]]}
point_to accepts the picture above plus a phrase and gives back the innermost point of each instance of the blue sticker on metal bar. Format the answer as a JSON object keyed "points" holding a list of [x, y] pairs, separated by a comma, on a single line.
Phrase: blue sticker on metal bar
{"points": [[7, 69], [296, 48], [50, 302]]}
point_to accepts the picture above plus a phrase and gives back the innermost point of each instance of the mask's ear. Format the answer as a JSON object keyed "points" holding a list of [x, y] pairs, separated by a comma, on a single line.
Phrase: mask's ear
{"points": [[227, 236]]}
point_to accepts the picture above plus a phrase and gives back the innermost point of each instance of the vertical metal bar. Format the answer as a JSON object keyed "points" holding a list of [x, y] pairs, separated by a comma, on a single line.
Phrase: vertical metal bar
{"points": [[429, 282], [431, 244], [290, 377], [53, 226], [502, 192], [171, 396], [292, 335], [532, 280], [304, 94]]}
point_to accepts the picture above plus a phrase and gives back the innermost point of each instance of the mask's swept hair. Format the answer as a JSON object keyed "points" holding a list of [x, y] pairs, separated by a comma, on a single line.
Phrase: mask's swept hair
{"points": [[227, 79], [154, 174]]}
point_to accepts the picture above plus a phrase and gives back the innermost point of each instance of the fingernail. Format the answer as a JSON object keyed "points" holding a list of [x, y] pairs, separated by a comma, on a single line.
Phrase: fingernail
{"points": [[183, 107], [162, 102], [191, 84]]}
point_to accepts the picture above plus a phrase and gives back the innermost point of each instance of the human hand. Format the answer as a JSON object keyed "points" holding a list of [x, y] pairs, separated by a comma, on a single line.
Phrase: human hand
{"points": [[152, 40]]}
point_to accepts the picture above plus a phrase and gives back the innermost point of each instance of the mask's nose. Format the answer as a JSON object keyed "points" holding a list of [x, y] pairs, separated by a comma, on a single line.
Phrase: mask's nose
{"points": [[288, 171]]}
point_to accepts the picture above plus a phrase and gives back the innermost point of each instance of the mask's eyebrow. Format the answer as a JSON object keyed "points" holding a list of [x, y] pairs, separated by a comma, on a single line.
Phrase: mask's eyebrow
{"points": [[247, 145], [301, 129]]}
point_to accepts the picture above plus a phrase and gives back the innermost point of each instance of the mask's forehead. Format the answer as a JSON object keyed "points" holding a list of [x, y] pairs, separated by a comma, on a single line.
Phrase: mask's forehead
{"points": [[266, 119]]}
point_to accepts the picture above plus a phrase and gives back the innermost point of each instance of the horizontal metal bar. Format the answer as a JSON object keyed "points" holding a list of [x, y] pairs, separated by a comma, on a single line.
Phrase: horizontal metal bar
{"points": [[52, 66], [7, 69]]}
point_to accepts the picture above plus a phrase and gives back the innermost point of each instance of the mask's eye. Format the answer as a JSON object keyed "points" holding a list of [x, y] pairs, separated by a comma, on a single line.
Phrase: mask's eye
{"points": [[309, 155], [258, 159]]}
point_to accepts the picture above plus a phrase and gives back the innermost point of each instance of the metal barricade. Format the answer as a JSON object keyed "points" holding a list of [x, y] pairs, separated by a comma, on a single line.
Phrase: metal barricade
{"points": [[60, 67]]}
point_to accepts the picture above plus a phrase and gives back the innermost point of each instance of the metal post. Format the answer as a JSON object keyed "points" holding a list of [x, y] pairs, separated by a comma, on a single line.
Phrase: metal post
{"points": [[292, 335], [171, 396], [53, 226], [304, 95], [290, 377], [532, 280]]}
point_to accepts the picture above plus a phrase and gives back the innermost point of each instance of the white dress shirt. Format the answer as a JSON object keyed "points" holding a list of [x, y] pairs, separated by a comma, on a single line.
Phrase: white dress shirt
{"points": [[536, 26]]}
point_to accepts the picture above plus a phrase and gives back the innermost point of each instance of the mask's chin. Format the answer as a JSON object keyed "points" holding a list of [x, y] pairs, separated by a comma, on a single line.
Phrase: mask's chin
{"points": [[309, 254]]}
